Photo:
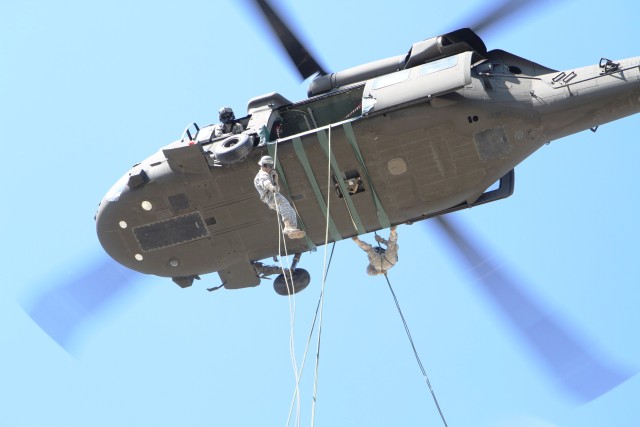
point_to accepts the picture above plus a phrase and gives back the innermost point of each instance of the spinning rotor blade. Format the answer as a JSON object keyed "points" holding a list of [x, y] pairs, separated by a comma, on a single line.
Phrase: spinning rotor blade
{"points": [[495, 16], [569, 360], [64, 308], [304, 62]]}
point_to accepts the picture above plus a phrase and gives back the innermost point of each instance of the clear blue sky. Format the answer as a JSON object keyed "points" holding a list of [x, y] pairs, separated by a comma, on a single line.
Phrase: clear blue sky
{"points": [[87, 89]]}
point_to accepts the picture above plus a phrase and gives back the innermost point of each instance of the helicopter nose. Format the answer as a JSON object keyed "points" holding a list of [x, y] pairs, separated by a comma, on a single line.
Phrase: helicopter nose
{"points": [[146, 231], [111, 220], [129, 181], [106, 222]]}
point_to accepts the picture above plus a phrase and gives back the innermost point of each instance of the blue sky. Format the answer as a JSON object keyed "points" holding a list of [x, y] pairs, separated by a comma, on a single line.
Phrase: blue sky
{"points": [[89, 89]]}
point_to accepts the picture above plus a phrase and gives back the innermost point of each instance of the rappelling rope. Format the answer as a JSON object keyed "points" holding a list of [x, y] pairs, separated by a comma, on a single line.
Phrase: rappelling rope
{"points": [[306, 349], [292, 301], [340, 184], [324, 280], [319, 309], [415, 352], [382, 254]]}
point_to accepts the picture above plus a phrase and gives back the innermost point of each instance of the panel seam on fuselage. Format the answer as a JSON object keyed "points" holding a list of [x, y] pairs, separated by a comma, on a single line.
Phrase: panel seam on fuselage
{"points": [[304, 161], [324, 143]]}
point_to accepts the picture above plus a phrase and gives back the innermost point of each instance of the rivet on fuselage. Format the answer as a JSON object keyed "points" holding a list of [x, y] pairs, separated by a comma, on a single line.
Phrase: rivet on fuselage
{"points": [[138, 257], [146, 205], [122, 224]]}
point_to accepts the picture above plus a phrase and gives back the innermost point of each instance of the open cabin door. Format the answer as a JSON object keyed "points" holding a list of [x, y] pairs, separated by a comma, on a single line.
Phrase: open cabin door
{"points": [[417, 84]]}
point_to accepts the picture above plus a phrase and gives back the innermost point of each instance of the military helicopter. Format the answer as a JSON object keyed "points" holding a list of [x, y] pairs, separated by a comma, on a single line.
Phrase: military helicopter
{"points": [[408, 137], [449, 114]]}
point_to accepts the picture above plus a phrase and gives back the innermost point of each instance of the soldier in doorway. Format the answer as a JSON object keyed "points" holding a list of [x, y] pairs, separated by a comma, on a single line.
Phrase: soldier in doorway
{"points": [[227, 123]]}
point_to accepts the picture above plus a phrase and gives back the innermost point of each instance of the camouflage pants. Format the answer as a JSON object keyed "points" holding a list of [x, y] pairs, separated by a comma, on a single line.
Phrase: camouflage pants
{"points": [[286, 211]]}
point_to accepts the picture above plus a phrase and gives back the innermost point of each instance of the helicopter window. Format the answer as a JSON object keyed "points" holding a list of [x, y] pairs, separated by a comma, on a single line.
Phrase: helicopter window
{"points": [[439, 65], [390, 79], [514, 70], [294, 122], [186, 134], [321, 111], [204, 135]]}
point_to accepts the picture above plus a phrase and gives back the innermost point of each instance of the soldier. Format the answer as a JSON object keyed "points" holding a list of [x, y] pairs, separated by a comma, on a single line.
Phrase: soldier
{"points": [[227, 123], [266, 182], [380, 259]]}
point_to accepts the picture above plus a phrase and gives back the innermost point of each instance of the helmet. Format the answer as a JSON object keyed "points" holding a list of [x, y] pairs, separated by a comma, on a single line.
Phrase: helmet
{"points": [[266, 160], [226, 115], [372, 271]]}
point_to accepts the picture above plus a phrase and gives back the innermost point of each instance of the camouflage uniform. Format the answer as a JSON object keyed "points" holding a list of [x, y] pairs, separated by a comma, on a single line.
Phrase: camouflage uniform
{"points": [[263, 181], [380, 259], [222, 129]]}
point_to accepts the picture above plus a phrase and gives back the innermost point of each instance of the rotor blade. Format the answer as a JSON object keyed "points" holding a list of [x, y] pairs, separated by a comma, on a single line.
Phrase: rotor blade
{"points": [[304, 62], [500, 14], [69, 303], [570, 361]]}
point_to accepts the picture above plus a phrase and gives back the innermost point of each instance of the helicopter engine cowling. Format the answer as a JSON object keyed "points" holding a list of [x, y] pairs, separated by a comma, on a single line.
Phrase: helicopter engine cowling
{"points": [[432, 49]]}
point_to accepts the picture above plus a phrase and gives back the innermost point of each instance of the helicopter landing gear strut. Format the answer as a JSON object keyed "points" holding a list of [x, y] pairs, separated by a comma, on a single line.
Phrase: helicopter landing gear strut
{"points": [[291, 281]]}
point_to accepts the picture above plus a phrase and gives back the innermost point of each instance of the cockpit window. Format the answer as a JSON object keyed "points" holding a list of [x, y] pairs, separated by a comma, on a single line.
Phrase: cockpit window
{"points": [[205, 134]]}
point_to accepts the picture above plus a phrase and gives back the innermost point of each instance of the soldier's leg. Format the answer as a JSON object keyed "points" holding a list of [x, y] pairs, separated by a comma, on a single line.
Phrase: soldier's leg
{"points": [[289, 218], [286, 211]]}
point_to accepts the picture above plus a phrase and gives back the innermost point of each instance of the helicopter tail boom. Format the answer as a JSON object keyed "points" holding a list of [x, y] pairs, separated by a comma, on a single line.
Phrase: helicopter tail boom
{"points": [[575, 100]]}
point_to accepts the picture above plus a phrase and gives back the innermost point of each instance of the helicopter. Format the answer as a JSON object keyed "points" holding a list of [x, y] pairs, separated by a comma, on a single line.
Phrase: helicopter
{"points": [[495, 147], [409, 137]]}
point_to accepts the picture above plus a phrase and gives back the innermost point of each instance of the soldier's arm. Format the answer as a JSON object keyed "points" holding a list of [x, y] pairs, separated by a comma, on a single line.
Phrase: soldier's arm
{"points": [[273, 181], [393, 235], [364, 246], [392, 244], [265, 183]]}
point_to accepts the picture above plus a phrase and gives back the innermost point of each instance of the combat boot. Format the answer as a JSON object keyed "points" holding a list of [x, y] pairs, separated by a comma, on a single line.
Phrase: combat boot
{"points": [[292, 231]]}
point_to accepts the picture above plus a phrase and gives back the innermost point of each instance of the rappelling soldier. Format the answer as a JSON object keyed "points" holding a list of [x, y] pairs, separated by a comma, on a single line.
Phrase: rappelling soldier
{"points": [[266, 182], [227, 123], [380, 259]]}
